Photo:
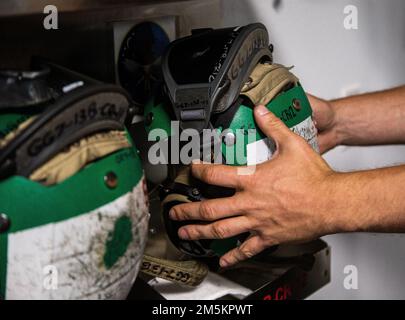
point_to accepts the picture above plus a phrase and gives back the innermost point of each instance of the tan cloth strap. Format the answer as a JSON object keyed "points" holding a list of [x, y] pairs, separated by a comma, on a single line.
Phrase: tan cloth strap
{"points": [[190, 273], [266, 81]]}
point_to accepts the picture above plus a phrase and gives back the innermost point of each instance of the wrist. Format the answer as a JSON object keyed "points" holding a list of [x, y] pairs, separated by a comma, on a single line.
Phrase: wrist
{"points": [[338, 122], [341, 120], [340, 205]]}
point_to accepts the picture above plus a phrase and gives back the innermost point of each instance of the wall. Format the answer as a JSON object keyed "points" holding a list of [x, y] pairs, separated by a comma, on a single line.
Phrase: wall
{"points": [[332, 62]]}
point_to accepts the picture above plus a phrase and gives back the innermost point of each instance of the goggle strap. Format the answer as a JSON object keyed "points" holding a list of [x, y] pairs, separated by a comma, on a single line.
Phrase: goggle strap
{"points": [[83, 112], [192, 106]]}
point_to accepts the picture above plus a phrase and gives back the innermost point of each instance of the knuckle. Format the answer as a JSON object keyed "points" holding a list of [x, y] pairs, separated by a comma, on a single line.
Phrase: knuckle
{"points": [[269, 240], [300, 141], [209, 174], [219, 231], [179, 212], [233, 256], [274, 121], [193, 232], [254, 223], [246, 252], [206, 211], [247, 181]]}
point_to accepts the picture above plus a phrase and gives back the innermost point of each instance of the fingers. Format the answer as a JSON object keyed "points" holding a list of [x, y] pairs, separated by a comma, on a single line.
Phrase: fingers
{"points": [[325, 141], [313, 101], [207, 210], [246, 250], [323, 113], [217, 230], [271, 126], [218, 174], [317, 106]]}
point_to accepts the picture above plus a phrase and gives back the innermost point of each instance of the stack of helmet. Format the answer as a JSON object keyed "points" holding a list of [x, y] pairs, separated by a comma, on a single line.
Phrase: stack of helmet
{"points": [[73, 203]]}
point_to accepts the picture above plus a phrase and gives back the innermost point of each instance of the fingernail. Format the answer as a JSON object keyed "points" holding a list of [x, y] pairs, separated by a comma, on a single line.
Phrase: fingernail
{"points": [[262, 110], [223, 263], [172, 214], [183, 234]]}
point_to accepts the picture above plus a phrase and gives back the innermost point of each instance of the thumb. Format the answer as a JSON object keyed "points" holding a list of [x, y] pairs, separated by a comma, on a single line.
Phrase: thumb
{"points": [[271, 126]]}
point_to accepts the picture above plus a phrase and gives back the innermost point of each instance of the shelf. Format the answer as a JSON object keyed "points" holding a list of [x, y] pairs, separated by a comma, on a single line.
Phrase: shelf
{"points": [[12, 8]]}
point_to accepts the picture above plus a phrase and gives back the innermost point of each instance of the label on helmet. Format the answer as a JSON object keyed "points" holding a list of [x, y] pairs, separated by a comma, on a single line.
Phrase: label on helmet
{"points": [[92, 256], [262, 150]]}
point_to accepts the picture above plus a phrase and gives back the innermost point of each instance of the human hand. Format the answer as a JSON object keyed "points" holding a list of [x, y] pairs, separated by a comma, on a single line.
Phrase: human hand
{"points": [[284, 200], [325, 121]]}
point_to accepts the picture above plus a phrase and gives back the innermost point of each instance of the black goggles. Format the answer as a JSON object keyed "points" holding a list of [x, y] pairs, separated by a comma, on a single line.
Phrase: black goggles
{"points": [[23, 88], [205, 72]]}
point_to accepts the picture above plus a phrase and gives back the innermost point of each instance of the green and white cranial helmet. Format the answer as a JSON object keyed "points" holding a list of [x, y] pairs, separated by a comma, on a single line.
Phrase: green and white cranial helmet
{"points": [[73, 206], [213, 80]]}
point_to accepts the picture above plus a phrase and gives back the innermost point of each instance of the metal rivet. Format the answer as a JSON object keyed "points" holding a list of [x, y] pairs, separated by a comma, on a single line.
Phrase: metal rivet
{"points": [[195, 192], [4, 223], [152, 231], [111, 180], [229, 139], [149, 118], [296, 104]]}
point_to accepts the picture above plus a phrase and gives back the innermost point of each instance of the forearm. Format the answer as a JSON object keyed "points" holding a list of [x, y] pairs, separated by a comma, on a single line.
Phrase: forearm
{"points": [[374, 118], [370, 201]]}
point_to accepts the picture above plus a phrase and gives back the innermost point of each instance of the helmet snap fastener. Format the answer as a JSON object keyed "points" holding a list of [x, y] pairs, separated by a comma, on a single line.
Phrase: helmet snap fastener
{"points": [[296, 104], [111, 180], [4, 223]]}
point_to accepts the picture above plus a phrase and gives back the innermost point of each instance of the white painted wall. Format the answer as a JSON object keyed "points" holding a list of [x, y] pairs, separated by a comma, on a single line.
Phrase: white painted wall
{"points": [[332, 62]]}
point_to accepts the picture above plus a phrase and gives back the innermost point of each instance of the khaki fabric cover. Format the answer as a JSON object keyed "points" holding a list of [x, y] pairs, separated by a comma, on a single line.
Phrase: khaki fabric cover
{"points": [[78, 155], [266, 81]]}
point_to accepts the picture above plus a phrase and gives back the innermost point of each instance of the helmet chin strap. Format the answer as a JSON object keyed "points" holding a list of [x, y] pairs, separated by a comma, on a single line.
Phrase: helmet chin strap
{"points": [[190, 272]]}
